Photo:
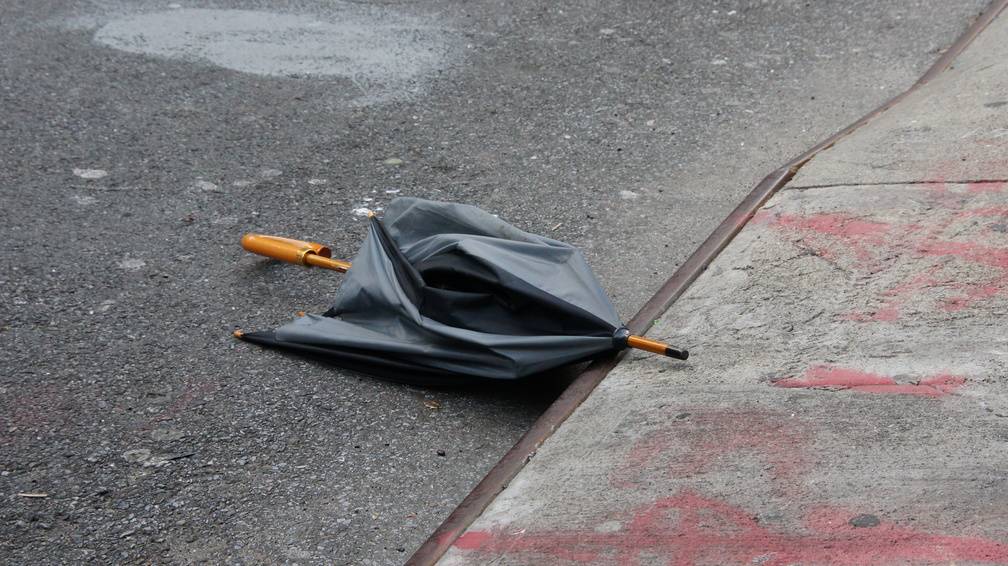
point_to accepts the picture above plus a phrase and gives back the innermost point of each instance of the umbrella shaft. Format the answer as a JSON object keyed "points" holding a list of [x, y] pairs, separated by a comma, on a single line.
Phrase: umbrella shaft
{"points": [[327, 263]]}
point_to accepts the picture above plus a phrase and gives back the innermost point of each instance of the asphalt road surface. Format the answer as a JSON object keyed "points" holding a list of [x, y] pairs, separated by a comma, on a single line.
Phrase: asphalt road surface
{"points": [[140, 140]]}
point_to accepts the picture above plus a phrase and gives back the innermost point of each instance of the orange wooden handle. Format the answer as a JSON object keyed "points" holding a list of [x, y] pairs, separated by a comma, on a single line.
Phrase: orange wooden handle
{"points": [[300, 252], [656, 347]]}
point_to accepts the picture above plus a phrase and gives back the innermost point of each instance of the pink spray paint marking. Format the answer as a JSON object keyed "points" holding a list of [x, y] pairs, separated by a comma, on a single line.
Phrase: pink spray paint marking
{"points": [[831, 377], [689, 529], [705, 439], [956, 240], [820, 232]]}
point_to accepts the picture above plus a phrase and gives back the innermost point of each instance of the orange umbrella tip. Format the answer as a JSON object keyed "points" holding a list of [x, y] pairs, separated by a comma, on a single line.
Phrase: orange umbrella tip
{"points": [[239, 334]]}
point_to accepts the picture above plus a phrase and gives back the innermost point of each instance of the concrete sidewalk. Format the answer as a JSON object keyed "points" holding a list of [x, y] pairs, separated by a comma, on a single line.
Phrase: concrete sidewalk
{"points": [[846, 401]]}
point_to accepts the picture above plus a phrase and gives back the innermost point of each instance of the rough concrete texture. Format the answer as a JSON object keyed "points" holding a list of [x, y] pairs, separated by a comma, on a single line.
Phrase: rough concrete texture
{"points": [[954, 131], [846, 401]]}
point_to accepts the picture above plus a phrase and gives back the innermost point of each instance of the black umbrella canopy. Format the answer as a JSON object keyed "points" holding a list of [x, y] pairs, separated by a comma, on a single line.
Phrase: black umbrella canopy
{"points": [[444, 293]]}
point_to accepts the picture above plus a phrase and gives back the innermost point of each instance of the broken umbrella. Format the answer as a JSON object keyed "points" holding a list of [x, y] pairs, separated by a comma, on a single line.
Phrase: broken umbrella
{"points": [[444, 293]]}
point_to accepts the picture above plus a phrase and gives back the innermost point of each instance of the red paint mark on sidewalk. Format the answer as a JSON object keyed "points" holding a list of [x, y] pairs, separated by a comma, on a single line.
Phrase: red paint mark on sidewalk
{"points": [[703, 441], [764, 217], [689, 529], [970, 251], [970, 297], [821, 232], [955, 260], [831, 377]]}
